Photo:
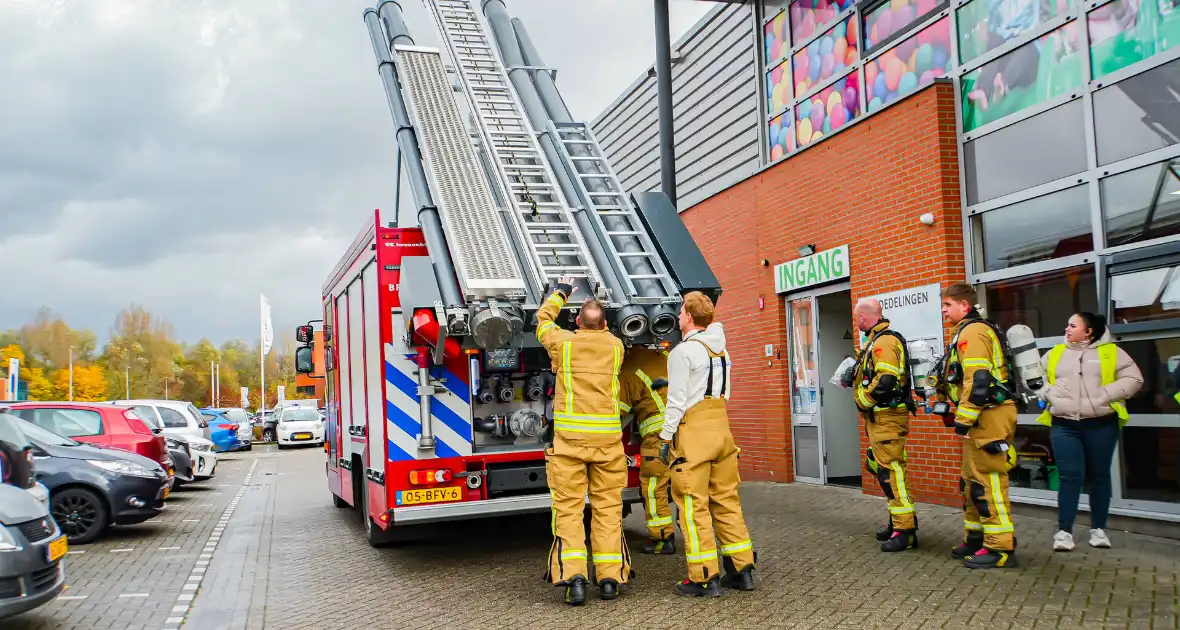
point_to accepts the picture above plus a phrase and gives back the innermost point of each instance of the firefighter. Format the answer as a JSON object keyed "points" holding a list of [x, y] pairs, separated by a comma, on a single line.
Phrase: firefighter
{"points": [[696, 443], [643, 388], [974, 374], [586, 453], [882, 393]]}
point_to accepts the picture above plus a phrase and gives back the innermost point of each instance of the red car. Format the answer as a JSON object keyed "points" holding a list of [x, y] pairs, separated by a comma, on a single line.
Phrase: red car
{"points": [[99, 424]]}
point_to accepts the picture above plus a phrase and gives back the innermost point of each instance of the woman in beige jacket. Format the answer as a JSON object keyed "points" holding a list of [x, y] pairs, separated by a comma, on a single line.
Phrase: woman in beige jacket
{"points": [[1087, 416]]}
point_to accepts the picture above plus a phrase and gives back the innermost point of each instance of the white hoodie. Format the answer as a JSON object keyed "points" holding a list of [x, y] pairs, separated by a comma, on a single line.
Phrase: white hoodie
{"points": [[688, 367]]}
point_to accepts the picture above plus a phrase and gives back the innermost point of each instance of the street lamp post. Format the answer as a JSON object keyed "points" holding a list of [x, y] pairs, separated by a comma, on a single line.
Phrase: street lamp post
{"points": [[71, 373], [127, 372]]}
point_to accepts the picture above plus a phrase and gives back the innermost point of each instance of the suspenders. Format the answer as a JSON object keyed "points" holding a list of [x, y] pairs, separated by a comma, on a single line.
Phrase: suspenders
{"points": [[724, 388]]}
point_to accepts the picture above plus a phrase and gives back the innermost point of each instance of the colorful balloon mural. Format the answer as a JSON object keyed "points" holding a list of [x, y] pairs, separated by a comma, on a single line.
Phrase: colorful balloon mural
{"points": [[828, 111], [827, 56], [909, 65]]}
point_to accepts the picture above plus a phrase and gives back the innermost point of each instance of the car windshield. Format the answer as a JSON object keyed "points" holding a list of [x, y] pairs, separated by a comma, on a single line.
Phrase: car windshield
{"points": [[300, 415], [42, 434], [148, 415], [193, 411]]}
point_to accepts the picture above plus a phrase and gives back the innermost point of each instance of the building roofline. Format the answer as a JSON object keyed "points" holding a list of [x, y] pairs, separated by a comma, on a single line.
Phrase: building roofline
{"points": [[646, 75]]}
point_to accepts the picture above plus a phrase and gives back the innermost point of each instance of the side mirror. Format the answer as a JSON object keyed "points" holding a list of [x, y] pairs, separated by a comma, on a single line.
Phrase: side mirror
{"points": [[327, 333], [304, 360], [203, 424], [304, 334]]}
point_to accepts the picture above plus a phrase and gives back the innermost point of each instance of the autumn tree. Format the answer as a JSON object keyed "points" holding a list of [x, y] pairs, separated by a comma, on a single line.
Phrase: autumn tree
{"points": [[90, 383], [48, 341], [142, 350]]}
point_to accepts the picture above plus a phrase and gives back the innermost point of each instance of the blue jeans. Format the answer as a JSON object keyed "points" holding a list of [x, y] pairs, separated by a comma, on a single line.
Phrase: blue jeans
{"points": [[1084, 450]]}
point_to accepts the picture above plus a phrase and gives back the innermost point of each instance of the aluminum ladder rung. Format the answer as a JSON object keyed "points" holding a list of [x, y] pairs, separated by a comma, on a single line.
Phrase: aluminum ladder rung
{"points": [[624, 233], [533, 227], [635, 254]]}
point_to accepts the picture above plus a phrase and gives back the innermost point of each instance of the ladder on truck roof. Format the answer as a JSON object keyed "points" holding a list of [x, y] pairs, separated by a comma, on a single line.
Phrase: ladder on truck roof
{"points": [[627, 238], [543, 220]]}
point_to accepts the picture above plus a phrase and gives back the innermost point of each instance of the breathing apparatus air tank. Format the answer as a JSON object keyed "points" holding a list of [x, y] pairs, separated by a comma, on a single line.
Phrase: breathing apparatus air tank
{"points": [[1023, 345]]}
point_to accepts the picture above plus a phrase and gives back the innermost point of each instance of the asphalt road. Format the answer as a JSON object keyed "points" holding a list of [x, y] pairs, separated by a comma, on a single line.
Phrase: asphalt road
{"points": [[284, 557]]}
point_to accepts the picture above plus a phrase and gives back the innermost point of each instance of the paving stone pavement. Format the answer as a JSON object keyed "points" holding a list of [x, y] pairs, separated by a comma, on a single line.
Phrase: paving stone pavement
{"points": [[130, 577], [295, 561]]}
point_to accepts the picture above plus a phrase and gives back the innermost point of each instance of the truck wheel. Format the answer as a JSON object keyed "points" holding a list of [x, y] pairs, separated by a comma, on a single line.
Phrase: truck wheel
{"points": [[374, 535]]}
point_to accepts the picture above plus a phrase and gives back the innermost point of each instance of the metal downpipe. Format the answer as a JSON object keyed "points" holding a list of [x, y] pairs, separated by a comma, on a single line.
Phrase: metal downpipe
{"points": [[428, 219]]}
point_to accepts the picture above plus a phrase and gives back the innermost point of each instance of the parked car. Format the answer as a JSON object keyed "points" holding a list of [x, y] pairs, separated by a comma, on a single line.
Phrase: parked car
{"points": [[204, 458], [32, 547], [177, 417], [92, 488], [99, 424], [222, 431], [299, 425], [182, 461], [245, 423]]}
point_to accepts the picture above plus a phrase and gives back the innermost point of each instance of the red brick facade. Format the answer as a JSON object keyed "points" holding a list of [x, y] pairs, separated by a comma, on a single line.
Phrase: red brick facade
{"points": [[866, 188]]}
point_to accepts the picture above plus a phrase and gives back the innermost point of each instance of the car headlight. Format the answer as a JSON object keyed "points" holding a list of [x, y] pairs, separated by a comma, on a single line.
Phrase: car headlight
{"points": [[201, 447], [7, 542], [122, 468]]}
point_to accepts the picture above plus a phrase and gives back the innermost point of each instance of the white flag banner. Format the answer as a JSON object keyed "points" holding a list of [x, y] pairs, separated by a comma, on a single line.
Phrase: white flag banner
{"points": [[245, 398], [268, 333]]}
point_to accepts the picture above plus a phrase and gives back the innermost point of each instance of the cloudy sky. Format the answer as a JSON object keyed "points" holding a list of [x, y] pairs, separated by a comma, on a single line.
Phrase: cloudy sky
{"points": [[187, 155]]}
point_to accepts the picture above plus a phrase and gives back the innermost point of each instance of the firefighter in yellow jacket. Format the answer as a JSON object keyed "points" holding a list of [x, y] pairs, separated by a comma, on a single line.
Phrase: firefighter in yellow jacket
{"points": [[882, 393], [587, 450], [643, 389], [975, 375], [696, 442]]}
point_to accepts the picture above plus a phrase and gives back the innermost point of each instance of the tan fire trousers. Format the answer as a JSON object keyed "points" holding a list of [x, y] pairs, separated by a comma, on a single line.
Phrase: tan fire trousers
{"points": [[654, 483], [573, 469], [887, 430], [984, 484], [705, 488]]}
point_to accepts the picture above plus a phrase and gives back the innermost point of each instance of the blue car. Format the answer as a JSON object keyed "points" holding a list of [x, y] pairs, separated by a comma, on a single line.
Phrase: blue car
{"points": [[222, 431]]}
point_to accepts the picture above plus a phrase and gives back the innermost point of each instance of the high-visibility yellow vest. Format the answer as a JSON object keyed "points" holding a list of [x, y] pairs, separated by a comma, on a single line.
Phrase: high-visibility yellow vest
{"points": [[1107, 360]]}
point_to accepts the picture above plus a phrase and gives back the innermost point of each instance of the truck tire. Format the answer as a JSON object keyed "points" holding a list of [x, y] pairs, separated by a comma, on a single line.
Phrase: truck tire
{"points": [[374, 535]]}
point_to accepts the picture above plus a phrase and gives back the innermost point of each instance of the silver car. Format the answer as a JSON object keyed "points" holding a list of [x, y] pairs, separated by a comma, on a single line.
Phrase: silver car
{"points": [[32, 547]]}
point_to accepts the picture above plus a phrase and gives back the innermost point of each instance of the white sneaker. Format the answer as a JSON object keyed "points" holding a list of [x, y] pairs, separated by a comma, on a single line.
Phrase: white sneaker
{"points": [[1063, 541], [1098, 538]]}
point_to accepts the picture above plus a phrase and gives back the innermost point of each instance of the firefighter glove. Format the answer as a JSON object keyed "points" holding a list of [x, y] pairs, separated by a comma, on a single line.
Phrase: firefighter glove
{"points": [[961, 428], [666, 452]]}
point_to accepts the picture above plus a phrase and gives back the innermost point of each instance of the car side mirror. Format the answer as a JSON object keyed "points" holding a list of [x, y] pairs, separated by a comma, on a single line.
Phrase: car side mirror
{"points": [[203, 424], [304, 360]]}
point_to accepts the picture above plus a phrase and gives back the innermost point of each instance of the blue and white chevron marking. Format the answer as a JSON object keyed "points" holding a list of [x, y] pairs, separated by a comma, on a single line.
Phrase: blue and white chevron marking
{"points": [[451, 411]]}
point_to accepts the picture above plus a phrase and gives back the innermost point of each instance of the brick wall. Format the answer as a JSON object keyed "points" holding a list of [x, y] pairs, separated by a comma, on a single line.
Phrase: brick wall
{"points": [[864, 187]]}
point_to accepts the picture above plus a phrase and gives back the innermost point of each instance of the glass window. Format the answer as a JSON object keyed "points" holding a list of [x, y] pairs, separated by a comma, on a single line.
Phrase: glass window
{"points": [[1138, 114], [809, 16], [1037, 469], [1142, 204], [828, 111], [778, 88], [1038, 71], [1150, 294], [1124, 32], [67, 422], [985, 25], [148, 415], [1151, 455], [912, 64], [827, 56], [1041, 149], [804, 371], [1050, 226], [774, 37], [892, 18], [1043, 302], [173, 419], [782, 136]]}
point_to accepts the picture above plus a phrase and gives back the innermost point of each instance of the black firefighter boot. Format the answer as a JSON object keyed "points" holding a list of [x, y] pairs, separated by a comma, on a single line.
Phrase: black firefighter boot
{"points": [[608, 589], [661, 546], [970, 546], [885, 532], [738, 580], [575, 591], [901, 540], [710, 588], [992, 558]]}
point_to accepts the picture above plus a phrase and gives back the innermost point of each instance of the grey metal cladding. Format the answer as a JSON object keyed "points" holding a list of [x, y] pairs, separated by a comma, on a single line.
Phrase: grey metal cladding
{"points": [[715, 105], [418, 289]]}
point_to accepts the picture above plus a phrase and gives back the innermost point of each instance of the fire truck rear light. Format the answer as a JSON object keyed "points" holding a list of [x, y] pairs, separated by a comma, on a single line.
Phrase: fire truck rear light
{"points": [[426, 477], [384, 517]]}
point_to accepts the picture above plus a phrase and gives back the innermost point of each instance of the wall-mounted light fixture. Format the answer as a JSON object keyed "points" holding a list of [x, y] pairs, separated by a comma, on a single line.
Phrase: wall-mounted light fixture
{"points": [[764, 262], [807, 250]]}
